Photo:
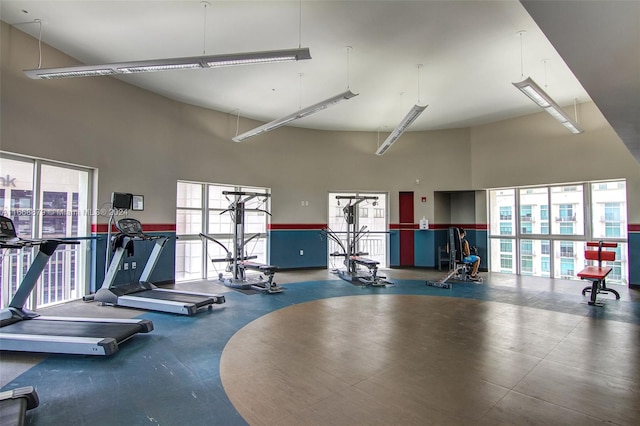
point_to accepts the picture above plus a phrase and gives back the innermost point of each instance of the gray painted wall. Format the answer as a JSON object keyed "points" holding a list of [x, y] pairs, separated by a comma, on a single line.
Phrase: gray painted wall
{"points": [[141, 142]]}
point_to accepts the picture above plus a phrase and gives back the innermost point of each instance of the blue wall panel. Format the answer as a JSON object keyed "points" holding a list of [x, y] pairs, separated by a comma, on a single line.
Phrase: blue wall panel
{"points": [[424, 248], [634, 255], [394, 249], [163, 272], [441, 238], [286, 245], [478, 238], [427, 243]]}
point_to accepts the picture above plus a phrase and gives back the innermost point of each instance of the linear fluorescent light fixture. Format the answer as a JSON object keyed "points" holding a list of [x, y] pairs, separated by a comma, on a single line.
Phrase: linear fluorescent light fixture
{"points": [[154, 65], [544, 101], [400, 128], [296, 115]]}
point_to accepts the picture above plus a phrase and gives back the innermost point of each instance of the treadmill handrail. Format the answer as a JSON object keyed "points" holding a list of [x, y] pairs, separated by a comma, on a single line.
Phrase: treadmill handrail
{"points": [[4, 245], [19, 242], [139, 236]]}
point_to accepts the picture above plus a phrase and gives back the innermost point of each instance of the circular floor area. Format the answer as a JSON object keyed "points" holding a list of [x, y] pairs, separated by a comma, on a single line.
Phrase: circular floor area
{"points": [[404, 359]]}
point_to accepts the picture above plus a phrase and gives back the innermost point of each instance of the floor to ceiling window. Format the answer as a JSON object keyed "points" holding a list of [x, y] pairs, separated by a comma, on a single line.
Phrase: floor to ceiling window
{"points": [[45, 200], [203, 208], [542, 231], [371, 215]]}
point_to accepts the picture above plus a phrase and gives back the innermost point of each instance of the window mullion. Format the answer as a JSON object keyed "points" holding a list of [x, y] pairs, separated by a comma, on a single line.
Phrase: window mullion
{"points": [[587, 212], [205, 229], [518, 224]]}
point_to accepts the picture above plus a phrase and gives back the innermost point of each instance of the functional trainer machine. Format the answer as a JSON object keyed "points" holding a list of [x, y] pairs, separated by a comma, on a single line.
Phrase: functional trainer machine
{"points": [[354, 260], [238, 261], [143, 294], [459, 270], [26, 331]]}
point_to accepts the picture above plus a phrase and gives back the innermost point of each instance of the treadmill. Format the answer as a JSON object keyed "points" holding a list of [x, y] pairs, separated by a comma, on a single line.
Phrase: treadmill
{"points": [[15, 403], [143, 294], [22, 330]]}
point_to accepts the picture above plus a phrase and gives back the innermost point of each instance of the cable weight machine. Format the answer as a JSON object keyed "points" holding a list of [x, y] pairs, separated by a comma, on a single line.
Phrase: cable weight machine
{"points": [[238, 260], [353, 258]]}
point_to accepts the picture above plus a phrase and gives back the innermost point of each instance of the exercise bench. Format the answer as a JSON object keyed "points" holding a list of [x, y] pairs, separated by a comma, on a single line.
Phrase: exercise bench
{"points": [[598, 274]]}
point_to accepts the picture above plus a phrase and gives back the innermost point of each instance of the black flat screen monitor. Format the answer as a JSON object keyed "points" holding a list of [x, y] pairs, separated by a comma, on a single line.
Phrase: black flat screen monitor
{"points": [[121, 200]]}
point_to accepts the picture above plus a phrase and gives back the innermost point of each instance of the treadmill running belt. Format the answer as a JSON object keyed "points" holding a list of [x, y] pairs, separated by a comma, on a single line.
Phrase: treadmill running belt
{"points": [[118, 331], [174, 297]]}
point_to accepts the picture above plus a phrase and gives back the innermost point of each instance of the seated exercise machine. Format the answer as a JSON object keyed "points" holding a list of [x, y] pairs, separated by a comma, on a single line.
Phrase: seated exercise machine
{"points": [[143, 294], [354, 260], [459, 269], [238, 261], [597, 274], [15, 403], [26, 331]]}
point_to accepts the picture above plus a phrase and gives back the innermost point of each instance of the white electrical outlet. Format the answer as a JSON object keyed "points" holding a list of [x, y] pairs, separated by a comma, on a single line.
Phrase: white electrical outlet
{"points": [[301, 252], [126, 266], [134, 265]]}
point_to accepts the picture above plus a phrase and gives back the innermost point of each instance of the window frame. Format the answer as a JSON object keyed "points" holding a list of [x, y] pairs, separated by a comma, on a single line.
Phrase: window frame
{"points": [[565, 229]]}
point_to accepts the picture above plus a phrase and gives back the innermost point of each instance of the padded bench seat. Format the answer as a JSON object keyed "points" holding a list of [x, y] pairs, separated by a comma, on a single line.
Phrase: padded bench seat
{"points": [[258, 266], [594, 272], [369, 263]]}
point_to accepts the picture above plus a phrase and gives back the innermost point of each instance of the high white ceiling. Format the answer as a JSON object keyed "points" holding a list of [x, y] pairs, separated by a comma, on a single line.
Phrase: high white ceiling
{"points": [[471, 52]]}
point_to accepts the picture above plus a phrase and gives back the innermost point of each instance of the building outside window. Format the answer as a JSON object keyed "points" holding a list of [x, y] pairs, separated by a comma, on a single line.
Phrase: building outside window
{"points": [[553, 226], [566, 228], [526, 267], [526, 219], [612, 220], [506, 229], [545, 247], [506, 263], [568, 210], [505, 213], [544, 220], [566, 213], [545, 266], [567, 268], [566, 249]]}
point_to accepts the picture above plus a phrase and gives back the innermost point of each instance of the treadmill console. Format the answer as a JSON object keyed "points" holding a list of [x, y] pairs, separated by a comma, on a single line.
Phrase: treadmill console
{"points": [[7, 230], [130, 227]]}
